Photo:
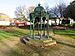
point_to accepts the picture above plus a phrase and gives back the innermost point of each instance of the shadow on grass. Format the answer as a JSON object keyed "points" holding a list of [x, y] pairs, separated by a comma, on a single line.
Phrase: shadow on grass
{"points": [[16, 33], [70, 35], [70, 45], [4, 35], [73, 46]]}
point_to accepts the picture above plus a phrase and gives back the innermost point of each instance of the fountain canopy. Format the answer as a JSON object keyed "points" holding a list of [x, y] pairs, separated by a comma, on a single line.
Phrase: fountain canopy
{"points": [[39, 29], [38, 18], [39, 11]]}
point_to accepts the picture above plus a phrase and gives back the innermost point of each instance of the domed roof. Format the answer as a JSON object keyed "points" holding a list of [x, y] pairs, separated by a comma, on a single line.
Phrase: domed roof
{"points": [[39, 11], [39, 8]]}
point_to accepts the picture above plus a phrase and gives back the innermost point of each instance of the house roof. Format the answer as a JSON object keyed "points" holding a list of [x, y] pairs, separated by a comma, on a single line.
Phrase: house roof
{"points": [[4, 17]]}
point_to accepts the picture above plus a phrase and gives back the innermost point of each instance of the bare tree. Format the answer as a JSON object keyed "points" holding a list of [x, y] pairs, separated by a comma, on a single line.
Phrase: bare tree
{"points": [[21, 13], [58, 10], [55, 11], [61, 8], [30, 10]]}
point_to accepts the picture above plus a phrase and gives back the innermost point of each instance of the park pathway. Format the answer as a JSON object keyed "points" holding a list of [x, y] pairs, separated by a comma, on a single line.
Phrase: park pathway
{"points": [[7, 46]]}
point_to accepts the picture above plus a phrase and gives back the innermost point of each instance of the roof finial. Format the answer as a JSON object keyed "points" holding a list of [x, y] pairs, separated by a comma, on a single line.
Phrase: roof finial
{"points": [[39, 4]]}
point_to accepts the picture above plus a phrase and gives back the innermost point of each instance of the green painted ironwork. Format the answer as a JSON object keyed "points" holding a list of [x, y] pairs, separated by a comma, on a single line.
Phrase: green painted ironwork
{"points": [[48, 26], [39, 12]]}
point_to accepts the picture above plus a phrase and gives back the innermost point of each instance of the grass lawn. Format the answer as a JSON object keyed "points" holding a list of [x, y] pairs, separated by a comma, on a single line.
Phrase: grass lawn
{"points": [[66, 36], [69, 33], [12, 32], [64, 32], [11, 46]]}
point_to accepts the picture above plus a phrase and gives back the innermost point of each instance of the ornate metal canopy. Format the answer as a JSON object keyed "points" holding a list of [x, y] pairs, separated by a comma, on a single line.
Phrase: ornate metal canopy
{"points": [[38, 18], [39, 11]]}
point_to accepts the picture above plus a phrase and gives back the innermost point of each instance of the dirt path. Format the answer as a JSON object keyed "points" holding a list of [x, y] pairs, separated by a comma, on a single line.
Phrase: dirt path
{"points": [[7, 45]]}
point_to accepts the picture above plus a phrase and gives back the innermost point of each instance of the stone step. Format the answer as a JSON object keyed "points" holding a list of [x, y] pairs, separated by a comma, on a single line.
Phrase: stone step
{"points": [[46, 41], [37, 37], [50, 43]]}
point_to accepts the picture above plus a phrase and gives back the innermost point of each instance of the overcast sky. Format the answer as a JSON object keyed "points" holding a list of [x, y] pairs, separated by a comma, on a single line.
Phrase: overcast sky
{"points": [[9, 6]]}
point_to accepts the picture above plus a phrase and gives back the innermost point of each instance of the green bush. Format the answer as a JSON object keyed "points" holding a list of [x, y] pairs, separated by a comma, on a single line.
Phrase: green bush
{"points": [[73, 24]]}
